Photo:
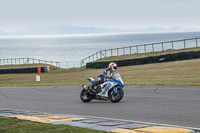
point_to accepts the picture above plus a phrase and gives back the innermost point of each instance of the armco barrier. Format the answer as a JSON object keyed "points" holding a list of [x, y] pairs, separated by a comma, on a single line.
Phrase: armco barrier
{"points": [[38, 69], [148, 60], [196, 54]]}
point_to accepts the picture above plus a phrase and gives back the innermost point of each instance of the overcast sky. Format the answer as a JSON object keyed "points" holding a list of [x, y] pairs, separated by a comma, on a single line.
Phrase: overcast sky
{"points": [[20, 14]]}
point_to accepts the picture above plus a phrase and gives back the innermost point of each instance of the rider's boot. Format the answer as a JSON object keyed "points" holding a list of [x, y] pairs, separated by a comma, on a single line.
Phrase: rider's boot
{"points": [[94, 86]]}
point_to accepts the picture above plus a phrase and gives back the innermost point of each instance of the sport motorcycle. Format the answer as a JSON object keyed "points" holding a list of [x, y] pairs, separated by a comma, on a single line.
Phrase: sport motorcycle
{"points": [[111, 89]]}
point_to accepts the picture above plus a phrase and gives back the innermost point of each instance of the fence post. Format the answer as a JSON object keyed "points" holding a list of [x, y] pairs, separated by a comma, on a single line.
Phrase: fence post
{"points": [[152, 47], [196, 43], [105, 54], [123, 51], [100, 54], [137, 49], [130, 50], [162, 47], [145, 49], [172, 45], [184, 44], [96, 56], [111, 53], [117, 51]]}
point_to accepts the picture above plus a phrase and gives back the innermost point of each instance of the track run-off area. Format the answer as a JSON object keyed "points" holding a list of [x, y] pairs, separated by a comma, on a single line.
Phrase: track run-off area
{"points": [[155, 104]]}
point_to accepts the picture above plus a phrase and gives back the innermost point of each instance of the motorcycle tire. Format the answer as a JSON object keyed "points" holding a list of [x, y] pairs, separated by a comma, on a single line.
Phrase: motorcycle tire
{"points": [[85, 96], [116, 97]]}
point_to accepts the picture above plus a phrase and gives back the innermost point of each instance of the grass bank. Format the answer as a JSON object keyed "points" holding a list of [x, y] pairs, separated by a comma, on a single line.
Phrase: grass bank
{"points": [[179, 73], [12, 125], [135, 56]]}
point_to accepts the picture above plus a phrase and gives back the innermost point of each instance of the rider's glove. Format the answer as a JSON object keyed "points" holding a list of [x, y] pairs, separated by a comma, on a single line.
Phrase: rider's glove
{"points": [[108, 77]]}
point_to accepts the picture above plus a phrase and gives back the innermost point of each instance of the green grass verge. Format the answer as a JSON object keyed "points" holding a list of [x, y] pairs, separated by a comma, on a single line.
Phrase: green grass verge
{"points": [[179, 73], [13, 125]]}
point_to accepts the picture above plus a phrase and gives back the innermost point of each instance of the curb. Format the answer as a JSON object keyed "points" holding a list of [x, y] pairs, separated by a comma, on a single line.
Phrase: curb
{"points": [[98, 123]]}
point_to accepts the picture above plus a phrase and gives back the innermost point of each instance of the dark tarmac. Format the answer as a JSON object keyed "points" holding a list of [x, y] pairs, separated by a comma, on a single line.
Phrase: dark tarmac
{"points": [[155, 104]]}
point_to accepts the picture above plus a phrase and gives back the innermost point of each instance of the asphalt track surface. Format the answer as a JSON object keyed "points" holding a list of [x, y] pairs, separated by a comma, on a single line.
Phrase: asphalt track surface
{"points": [[156, 104]]}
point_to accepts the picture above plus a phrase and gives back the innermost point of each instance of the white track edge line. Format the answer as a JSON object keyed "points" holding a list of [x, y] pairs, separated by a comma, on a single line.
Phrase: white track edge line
{"points": [[140, 122]]}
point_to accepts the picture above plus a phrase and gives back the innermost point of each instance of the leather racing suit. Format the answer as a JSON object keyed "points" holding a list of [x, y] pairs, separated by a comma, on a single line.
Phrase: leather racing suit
{"points": [[107, 73]]}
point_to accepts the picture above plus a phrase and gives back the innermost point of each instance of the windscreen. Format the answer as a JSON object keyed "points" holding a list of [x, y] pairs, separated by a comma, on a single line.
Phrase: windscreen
{"points": [[118, 75]]}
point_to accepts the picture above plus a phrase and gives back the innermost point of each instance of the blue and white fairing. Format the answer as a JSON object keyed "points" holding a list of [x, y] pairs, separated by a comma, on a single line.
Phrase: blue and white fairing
{"points": [[116, 83], [91, 80], [118, 80]]}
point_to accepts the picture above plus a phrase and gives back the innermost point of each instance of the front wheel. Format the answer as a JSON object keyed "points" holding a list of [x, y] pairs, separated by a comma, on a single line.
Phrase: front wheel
{"points": [[85, 96], [116, 97]]}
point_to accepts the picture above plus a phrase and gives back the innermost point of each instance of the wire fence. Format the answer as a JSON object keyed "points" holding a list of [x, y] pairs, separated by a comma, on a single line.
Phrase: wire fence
{"points": [[21, 61], [145, 48]]}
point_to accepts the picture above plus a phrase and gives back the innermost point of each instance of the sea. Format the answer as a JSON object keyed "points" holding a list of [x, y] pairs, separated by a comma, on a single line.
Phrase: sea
{"points": [[75, 47]]}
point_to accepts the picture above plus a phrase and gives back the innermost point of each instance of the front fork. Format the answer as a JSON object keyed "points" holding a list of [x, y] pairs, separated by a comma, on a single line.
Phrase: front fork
{"points": [[116, 90]]}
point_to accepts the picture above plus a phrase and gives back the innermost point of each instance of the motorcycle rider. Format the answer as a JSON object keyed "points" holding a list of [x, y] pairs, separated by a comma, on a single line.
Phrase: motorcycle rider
{"points": [[107, 73]]}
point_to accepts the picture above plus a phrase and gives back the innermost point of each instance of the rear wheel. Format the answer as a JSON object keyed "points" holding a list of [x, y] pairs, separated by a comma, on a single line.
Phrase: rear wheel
{"points": [[85, 96], [116, 97]]}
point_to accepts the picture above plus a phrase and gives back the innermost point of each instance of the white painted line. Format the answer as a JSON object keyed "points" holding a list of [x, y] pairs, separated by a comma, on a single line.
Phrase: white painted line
{"points": [[140, 122], [114, 119]]}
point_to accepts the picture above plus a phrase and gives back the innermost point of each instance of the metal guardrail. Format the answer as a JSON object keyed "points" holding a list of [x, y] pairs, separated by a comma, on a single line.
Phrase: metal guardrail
{"points": [[145, 48], [21, 61]]}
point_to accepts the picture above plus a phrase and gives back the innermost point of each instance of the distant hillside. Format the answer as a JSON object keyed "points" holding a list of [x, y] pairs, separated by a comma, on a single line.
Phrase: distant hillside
{"points": [[90, 30]]}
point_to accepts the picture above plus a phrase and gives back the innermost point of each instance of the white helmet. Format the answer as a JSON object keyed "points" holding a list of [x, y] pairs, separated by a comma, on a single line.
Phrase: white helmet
{"points": [[112, 66]]}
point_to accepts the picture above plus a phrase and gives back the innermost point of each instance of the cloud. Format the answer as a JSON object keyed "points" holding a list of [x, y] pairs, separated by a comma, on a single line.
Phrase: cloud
{"points": [[99, 13]]}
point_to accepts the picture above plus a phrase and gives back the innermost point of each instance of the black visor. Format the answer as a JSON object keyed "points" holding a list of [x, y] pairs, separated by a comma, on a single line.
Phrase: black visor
{"points": [[115, 67]]}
